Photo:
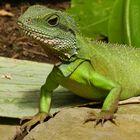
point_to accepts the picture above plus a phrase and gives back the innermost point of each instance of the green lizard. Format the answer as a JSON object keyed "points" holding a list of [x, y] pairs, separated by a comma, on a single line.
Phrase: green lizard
{"points": [[92, 70]]}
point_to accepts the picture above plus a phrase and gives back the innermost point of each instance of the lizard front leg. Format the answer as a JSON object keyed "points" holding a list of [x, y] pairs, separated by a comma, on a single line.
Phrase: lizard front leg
{"points": [[45, 102], [111, 101]]}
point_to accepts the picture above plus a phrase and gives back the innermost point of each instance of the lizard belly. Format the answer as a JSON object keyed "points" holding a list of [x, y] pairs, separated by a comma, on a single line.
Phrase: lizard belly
{"points": [[84, 90], [78, 82], [129, 92]]}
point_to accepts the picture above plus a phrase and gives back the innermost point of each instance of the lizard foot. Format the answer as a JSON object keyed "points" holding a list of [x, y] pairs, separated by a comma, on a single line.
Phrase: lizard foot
{"points": [[39, 117], [102, 117]]}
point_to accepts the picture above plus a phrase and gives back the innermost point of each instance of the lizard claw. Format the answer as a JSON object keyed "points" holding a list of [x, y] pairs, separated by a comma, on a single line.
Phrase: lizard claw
{"points": [[25, 118], [102, 117], [40, 117]]}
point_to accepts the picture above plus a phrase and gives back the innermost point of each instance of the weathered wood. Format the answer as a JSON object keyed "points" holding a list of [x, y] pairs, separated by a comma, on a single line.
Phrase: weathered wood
{"points": [[20, 82]]}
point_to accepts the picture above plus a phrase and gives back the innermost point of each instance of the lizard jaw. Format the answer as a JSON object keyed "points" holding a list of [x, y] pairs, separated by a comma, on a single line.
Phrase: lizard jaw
{"points": [[44, 39], [55, 48], [38, 36]]}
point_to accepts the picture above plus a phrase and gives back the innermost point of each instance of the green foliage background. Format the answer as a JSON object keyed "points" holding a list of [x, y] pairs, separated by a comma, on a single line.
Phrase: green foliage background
{"points": [[92, 16], [118, 20]]}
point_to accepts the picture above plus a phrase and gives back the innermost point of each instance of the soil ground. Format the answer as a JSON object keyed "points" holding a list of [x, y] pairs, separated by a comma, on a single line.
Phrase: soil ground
{"points": [[12, 43]]}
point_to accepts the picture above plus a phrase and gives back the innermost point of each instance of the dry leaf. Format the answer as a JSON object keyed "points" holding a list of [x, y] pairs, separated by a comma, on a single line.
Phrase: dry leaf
{"points": [[6, 13], [7, 76]]}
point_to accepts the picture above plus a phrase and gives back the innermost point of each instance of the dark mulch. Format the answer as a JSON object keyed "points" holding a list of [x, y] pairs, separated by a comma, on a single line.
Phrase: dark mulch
{"points": [[12, 43]]}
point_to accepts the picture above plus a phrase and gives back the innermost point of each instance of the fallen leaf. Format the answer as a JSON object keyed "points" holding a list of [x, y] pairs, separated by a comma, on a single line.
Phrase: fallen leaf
{"points": [[6, 13], [7, 76]]}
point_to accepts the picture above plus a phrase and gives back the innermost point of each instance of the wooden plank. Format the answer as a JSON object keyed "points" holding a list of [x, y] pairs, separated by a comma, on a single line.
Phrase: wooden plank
{"points": [[20, 82]]}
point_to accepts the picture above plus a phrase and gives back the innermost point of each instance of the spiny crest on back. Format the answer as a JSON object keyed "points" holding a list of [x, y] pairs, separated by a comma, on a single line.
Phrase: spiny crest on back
{"points": [[117, 47], [114, 45]]}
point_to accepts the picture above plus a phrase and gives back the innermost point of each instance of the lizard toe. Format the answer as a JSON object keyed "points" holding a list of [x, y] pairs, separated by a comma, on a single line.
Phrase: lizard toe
{"points": [[102, 117], [40, 117]]}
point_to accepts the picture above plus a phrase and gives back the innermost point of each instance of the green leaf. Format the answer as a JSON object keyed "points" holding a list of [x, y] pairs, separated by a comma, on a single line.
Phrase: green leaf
{"points": [[92, 16], [124, 24]]}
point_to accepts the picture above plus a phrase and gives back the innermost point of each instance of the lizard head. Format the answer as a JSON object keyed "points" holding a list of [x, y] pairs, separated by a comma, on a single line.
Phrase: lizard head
{"points": [[54, 30]]}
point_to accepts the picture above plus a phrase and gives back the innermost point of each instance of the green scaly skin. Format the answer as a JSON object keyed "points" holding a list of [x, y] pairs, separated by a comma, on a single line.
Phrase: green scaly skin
{"points": [[95, 71]]}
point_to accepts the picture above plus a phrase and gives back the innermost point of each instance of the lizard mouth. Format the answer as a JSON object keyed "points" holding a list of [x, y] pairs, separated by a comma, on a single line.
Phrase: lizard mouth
{"points": [[38, 36], [44, 39], [57, 49]]}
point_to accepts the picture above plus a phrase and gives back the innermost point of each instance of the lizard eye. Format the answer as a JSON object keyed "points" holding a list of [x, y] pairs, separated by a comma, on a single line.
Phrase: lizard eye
{"points": [[53, 20]]}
